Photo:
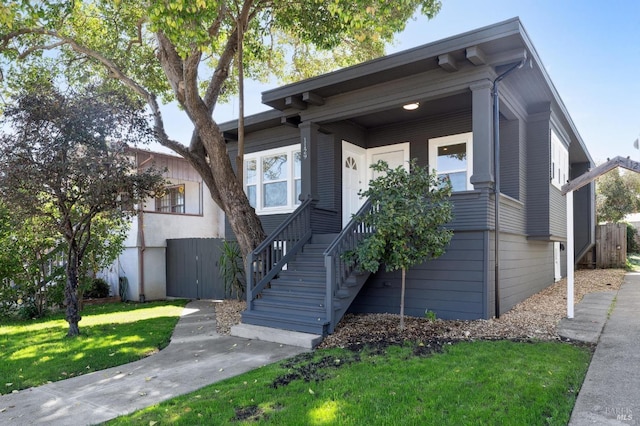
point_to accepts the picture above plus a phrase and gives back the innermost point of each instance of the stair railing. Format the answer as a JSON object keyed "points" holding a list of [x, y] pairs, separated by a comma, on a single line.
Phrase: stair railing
{"points": [[338, 268], [268, 259]]}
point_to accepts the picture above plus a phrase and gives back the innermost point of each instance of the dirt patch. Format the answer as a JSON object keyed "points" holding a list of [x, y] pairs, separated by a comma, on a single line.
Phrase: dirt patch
{"points": [[303, 367], [251, 413]]}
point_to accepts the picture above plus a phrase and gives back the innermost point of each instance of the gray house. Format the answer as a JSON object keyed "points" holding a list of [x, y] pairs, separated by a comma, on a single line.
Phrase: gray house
{"points": [[308, 157]]}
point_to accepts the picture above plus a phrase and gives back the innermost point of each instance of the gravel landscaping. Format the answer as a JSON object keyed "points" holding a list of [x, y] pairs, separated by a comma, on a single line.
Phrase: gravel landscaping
{"points": [[533, 318]]}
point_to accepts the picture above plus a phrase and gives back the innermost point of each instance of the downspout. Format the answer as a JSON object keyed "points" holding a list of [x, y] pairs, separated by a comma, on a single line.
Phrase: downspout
{"points": [[141, 247], [141, 244], [496, 174]]}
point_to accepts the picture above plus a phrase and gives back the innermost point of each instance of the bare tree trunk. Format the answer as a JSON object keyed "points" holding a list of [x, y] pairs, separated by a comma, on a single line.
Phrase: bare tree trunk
{"points": [[71, 294], [404, 276]]}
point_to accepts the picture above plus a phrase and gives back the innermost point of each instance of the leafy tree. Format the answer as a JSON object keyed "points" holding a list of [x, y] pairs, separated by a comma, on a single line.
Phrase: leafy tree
{"points": [[30, 272], [184, 50], [62, 161], [617, 195], [410, 210], [108, 234]]}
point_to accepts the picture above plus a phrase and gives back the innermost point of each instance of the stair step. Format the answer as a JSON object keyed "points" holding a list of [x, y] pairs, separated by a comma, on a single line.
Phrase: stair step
{"points": [[286, 307], [306, 262], [302, 275], [286, 322], [323, 238], [318, 249], [297, 287], [292, 296]]}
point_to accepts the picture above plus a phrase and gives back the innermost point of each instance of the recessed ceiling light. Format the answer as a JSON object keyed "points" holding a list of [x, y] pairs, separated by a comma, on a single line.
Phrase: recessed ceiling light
{"points": [[411, 106]]}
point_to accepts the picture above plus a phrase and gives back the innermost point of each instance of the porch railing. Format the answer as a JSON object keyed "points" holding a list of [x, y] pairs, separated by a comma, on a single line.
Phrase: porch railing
{"points": [[268, 259], [338, 268]]}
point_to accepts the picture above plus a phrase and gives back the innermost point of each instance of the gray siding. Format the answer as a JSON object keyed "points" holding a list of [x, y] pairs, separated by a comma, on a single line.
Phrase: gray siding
{"points": [[538, 183], [510, 158], [557, 214], [526, 267], [452, 286], [419, 132]]}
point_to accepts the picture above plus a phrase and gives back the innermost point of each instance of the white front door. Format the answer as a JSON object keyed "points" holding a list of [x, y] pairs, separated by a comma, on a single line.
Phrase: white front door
{"points": [[356, 172], [394, 155], [353, 179]]}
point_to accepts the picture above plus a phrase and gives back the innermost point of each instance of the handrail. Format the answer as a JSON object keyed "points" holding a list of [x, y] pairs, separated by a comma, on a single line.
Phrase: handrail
{"points": [[268, 259], [339, 269]]}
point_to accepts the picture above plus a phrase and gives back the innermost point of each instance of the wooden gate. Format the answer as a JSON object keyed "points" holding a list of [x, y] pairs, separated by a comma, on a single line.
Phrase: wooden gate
{"points": [[192, 268], [611, 247]]}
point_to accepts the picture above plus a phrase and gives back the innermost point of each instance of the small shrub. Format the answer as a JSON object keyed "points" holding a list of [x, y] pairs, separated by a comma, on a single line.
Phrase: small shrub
{"points": [[232, 269], [29, 310], [98, 288], [632, 244]]}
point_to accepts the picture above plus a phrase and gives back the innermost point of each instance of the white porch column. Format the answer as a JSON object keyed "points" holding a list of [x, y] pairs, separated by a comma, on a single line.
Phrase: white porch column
{"points": [[570, 255]]}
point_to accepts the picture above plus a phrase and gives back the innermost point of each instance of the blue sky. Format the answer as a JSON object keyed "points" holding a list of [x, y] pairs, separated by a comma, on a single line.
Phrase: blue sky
{"points": [[591, 50]]}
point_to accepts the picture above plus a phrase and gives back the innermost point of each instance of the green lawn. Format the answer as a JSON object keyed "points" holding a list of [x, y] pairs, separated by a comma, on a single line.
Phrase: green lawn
{"points": [[470, 383], [35, 352]]}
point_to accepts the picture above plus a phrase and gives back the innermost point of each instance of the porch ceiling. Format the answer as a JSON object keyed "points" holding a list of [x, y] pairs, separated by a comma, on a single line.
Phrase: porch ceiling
{"points": [[396, 115]]}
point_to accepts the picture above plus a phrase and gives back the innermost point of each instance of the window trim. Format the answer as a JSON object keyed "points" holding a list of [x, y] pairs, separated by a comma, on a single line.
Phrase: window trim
{"points": [[168, 189], [435, 143], [292, 202]]}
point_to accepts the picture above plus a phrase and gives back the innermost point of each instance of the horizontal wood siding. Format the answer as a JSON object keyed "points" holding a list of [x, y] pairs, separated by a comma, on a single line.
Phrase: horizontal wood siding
{"points": [[557, 214], [419, 132], [538, 182], [526, 267], [510, 158], [524, 165], [451, 286], [512, 216], [471, 211]]}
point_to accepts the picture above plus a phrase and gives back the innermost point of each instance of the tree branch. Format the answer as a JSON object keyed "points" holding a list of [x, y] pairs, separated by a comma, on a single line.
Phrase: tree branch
{"points": [[222, 69], [40, 47], [172, 65]]}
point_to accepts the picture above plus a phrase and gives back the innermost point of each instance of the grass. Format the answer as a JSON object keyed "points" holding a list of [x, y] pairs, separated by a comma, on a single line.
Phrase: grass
{"points": [[35, 352], [470, 383]]}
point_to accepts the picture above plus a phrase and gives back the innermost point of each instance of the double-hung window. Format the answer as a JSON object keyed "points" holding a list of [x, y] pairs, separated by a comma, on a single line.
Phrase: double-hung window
{"points": [[559, 161], [273, 179], [452, 157]]}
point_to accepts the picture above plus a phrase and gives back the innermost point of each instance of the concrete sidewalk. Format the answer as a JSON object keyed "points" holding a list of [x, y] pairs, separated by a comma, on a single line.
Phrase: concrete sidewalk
{"points": [[610, 394], [197, 356]]}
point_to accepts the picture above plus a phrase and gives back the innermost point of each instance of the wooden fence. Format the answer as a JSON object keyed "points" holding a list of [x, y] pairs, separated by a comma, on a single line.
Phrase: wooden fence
{"points": [[611, 247]]}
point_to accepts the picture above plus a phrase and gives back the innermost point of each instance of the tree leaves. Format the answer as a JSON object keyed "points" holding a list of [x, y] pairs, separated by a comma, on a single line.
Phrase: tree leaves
{"points": [[410, 211], [617, 195]]}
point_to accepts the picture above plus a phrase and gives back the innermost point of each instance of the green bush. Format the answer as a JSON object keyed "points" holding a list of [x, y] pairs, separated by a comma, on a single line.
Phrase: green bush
{"points": [[98, 288], [632, 245]]}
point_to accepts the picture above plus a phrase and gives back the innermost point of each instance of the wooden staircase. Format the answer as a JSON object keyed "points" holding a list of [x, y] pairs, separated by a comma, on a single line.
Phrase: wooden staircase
{"points": [[296, 299], [299, 281]]}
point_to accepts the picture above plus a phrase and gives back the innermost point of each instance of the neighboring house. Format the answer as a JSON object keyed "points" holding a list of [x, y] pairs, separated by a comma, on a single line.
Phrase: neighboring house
{"points": [[184, 210], [323, 134]]}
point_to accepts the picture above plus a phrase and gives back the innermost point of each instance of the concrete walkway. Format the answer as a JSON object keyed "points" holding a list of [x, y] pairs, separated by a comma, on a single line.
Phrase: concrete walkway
{"points": [[197, 356], [610, 394]]}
